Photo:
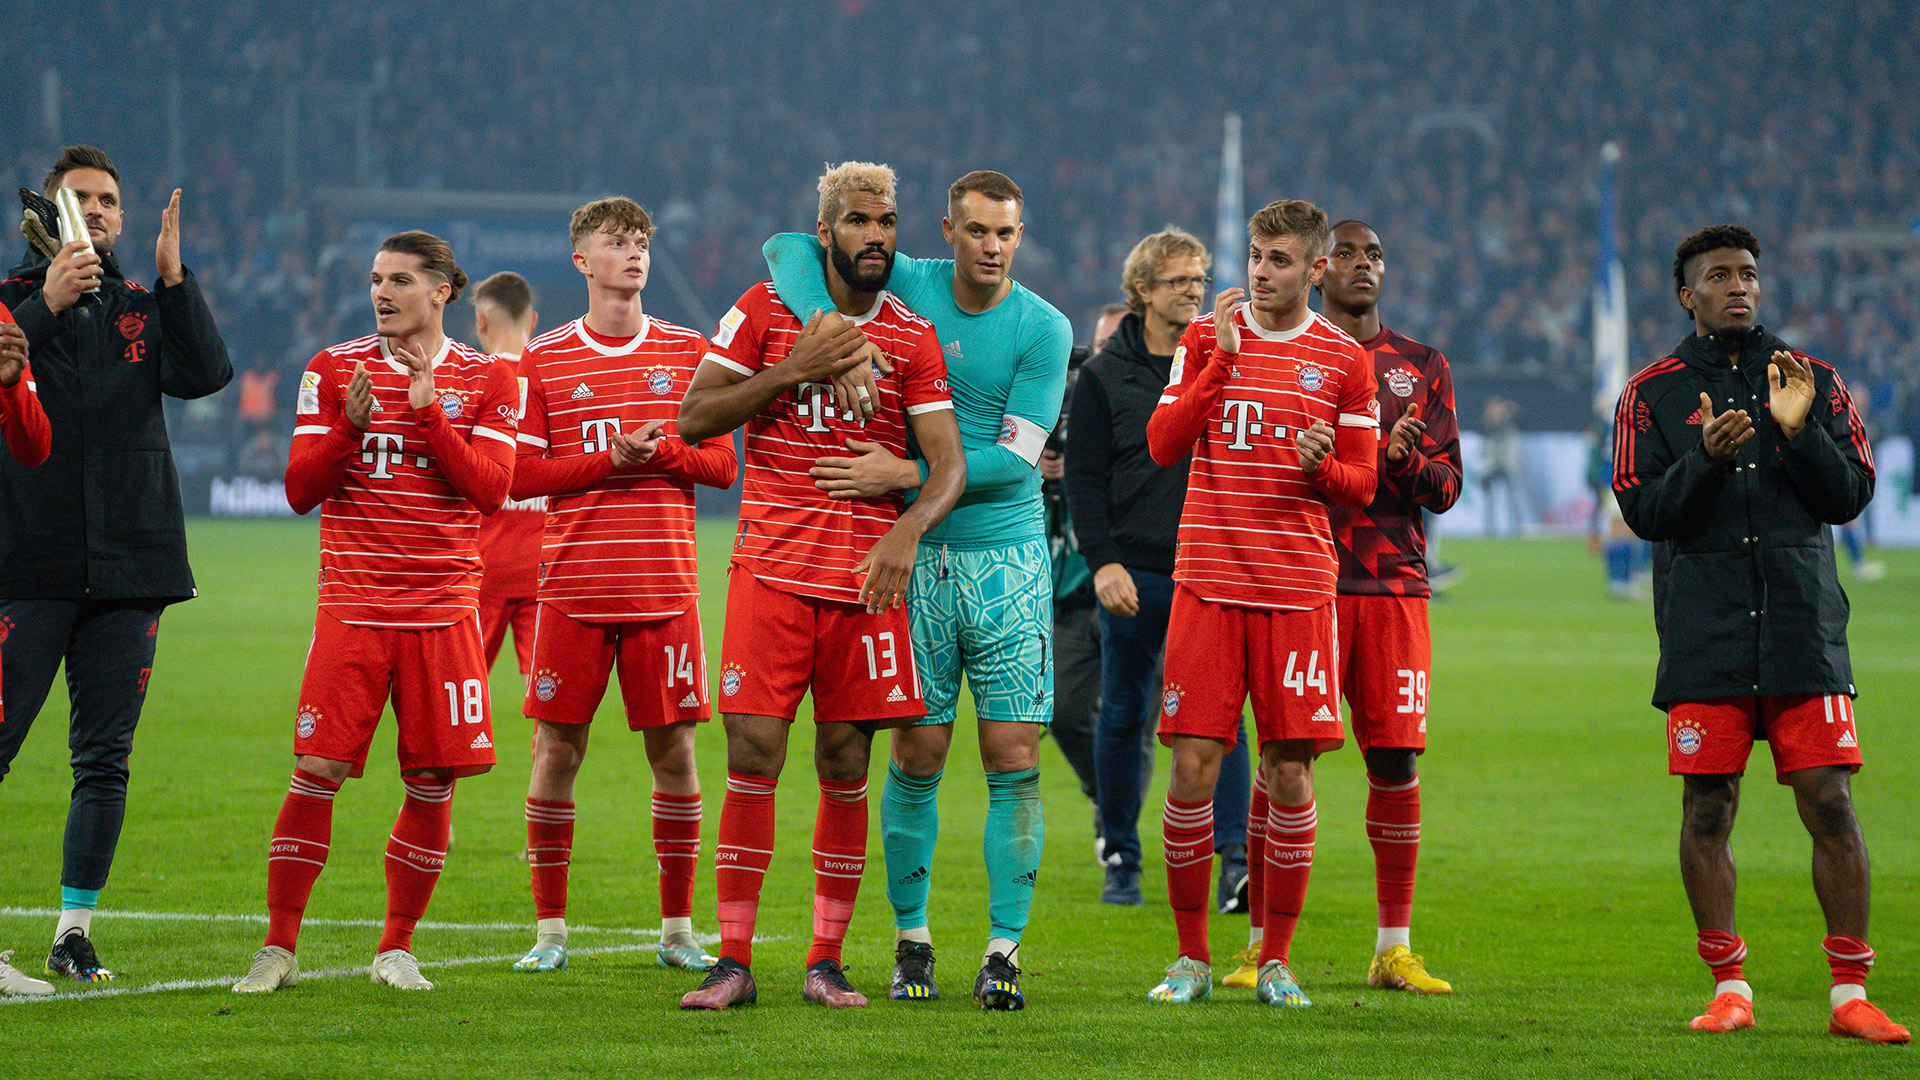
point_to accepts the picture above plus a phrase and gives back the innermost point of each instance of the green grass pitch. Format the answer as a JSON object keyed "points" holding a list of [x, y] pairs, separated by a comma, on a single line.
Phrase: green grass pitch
{"points": [[1549, 892]]}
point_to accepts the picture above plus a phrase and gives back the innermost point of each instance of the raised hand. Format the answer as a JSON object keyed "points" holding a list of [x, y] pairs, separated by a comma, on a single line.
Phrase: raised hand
{"points": [[1405, 436], [1314, 444], [637, 447], [1789, 392], [1723, 435], [419, 374], [359, 403], [13, 354], [166, 250], [74, 271], [1225, 333]]}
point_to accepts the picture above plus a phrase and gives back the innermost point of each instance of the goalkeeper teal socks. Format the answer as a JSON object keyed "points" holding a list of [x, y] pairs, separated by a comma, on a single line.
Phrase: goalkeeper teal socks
{"points": [[909, 828], [1016, 830]]}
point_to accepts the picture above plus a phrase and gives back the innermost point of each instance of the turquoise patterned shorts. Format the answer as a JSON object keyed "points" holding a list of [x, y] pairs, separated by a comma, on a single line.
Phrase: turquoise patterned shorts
{"points": [[987, 612]]}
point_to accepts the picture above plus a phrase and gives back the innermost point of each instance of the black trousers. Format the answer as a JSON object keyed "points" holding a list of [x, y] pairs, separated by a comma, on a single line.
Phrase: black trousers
{"points": [[108, 649]]}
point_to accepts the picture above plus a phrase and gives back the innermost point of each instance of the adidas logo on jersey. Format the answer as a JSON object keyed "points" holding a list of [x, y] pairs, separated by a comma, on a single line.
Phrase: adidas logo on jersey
{"points": [[691, 701], [897, 695], [1847, 741], [582, 391], [377, 407], [1323, 715], [480, 742], [952, 348], [1697, 418]]}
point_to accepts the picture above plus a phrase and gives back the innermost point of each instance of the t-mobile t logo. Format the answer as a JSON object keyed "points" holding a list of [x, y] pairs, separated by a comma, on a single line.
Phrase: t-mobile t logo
{"points": [[381, 449], [1241, 418], [596, 436], [815, 405]]}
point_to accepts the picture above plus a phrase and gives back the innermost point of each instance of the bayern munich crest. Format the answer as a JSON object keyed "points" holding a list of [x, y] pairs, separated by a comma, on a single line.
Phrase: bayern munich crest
{"points": [[1009, 431], [1311, 377], [1687, 739], [660, 381], [1400, 382], [305, 724], [1170, 701], [730, 680], [545, 686], [451, 406]]}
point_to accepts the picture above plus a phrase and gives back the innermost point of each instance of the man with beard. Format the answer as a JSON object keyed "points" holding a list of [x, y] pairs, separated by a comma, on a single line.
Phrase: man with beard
{"points": [[1737, 457], [982, 597], [1126, 509], [92, 542], [816, 596]]}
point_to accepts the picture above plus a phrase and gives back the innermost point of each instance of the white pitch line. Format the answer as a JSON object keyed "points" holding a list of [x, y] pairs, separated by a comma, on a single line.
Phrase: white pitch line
{"points": [[325, 973], [108, 915]]}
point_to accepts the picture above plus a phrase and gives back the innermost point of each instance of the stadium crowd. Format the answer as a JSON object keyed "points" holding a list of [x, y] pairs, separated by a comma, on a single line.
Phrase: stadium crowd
{"points": [[1471, 133]]}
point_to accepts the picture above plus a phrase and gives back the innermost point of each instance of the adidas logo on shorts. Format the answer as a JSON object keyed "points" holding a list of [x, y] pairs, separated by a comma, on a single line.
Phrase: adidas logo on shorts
{"points": [[691, 701], [1323, 715], [581, 391], [480, 742], [1847, 741], [897, 695]]}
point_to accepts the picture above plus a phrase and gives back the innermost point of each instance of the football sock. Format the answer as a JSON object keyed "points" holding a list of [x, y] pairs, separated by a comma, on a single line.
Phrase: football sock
{"points": [[740, 858], [1290, 833], [549, 854], [1723, 954], [297, 854], [1848, 958], [76, 911], [1188, 832], [1015, 833], [1393, 828], [416, 851], [1257, 809], [909, 828], [676, 850], [676, 930], [839, 858]]}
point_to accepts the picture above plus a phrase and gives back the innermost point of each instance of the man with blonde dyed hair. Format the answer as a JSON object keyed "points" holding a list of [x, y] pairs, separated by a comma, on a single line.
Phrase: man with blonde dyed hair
{"points": [[982, 598], [1125, 508]]}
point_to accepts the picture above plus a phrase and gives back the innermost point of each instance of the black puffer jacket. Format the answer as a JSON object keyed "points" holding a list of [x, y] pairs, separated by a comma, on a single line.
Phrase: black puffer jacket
{"points": [[1746, 596], [101, 519], [1126, 508]]}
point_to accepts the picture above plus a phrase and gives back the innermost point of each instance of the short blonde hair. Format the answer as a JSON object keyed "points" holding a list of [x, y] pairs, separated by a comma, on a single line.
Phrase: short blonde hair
{"points": [[852, 176], [618, 213], [1292, 217], [1147, 256]]}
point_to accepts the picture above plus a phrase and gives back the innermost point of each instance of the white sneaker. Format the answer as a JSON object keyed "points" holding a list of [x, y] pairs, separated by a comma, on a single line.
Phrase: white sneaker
{"points": [[273, 968], [14, 981], [398, 969]]}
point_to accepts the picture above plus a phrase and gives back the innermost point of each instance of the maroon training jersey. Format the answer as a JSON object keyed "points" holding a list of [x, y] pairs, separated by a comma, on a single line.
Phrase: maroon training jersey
{"points": [[1383, 549]]}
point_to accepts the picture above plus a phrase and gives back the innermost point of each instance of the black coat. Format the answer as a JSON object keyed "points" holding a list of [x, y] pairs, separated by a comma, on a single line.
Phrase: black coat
{"points": [[101, 519], [1747, 599], [1126, 508]]}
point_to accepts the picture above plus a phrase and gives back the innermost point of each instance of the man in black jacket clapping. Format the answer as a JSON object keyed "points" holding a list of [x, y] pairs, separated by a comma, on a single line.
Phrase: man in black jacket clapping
{"points": [[92, 543]]}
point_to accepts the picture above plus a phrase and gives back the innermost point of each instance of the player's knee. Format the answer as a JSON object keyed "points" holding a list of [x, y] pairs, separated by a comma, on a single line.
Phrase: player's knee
{"points": [[333, 772], [1708, 806], [1391, 764], [1825, 798]]}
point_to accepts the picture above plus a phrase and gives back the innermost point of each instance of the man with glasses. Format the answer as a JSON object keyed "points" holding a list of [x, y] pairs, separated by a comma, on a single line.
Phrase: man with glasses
{"points": [[1125, 511]]}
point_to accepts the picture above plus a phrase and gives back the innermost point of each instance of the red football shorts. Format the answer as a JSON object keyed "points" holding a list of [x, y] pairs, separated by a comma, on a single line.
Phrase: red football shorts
{"points": [[437, 680], [1386, 653], [662, 662], [1805, 731], [778, 644], [1219, 654]]}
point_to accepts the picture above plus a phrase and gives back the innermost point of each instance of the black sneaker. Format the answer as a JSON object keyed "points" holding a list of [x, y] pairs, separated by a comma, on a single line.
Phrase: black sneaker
{"points": [[1123, 884], [998, 986], [913, 972], [1233, 879], [73, 958]]}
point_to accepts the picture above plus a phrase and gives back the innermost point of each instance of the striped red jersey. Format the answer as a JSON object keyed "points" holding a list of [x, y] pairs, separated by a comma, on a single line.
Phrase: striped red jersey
{"points": [[398, 543], [1383, 548], [619, 544], [510, 538], [1255, 530], [791, 535]]}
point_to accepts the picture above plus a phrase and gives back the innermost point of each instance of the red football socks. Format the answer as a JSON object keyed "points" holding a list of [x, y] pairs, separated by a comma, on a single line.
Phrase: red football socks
{"points": [[1723, 953], [549, 853], [676, 850], [416, 851], [1290, 834], [1188, 832], [740, 858], [297, 854], [839, 858], [1393, 828]]}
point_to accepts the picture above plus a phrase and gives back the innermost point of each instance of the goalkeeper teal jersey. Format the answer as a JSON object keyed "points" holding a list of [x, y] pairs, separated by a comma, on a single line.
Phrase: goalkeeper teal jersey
{"points": [[1006, 369]]}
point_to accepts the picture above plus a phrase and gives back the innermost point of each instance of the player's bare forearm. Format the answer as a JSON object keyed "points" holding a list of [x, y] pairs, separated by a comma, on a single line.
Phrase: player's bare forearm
{"points": [[316, 464], [938, 434], [719, 401], [536, 475]]}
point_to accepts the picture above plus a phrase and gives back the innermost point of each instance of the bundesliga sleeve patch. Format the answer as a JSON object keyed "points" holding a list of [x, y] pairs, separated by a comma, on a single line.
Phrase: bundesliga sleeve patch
{"points": [[729, 325], [309, 400]]}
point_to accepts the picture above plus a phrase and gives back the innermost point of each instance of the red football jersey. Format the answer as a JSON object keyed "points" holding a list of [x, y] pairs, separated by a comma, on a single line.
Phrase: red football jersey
{"points": [[1383, 549], [791, 535], [1254, 530], [510, 537], [619, 545], [397, 539]]}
